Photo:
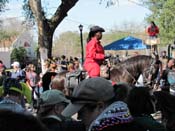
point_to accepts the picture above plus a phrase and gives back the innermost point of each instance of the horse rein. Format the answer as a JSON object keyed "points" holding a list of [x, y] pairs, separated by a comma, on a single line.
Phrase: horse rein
{"points": [[150, 70], [134, 80]]}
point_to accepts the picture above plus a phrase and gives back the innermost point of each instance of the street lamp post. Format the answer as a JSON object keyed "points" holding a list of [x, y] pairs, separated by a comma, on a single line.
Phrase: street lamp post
{"points": [[81, 38]]}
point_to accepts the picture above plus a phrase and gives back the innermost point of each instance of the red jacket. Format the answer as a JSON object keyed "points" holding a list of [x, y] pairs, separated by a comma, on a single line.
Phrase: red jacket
{"points": [[94, 54], [153, 31]]}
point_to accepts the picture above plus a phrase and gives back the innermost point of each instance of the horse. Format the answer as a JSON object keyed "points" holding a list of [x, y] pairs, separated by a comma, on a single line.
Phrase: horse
{"points": [[129, 70]]}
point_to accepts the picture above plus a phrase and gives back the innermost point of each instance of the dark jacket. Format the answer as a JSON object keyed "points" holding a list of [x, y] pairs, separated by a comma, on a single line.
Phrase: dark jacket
{"points": [[149, 123], [55, 123]]}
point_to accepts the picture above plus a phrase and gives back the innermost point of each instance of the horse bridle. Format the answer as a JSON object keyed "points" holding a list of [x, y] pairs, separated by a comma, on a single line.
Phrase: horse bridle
{"points": [[151, 67]]}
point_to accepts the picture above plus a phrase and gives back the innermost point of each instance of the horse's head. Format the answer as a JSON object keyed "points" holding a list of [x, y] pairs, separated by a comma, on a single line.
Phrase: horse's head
{"points": [[130, 69]]}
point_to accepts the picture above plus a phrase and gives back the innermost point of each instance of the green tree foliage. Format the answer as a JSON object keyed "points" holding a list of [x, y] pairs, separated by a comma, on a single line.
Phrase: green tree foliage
{"points": [[2, 7], [68, 43], [10, 28], [163, 15], [19, 54], [3, 4], [7, 34], [27, 10]]}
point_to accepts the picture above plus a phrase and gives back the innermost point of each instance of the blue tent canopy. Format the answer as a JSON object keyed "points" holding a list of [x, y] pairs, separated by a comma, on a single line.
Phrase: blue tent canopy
{"points": [[127, 43]]}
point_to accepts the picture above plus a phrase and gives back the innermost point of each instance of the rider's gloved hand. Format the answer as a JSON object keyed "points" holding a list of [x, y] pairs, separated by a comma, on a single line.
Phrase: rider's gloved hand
{"points": [[107, 56]]}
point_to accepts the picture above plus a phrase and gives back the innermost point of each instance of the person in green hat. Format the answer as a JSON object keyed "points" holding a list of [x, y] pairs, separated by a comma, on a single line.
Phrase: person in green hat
{"points": [[12, 93], [51, 104]]}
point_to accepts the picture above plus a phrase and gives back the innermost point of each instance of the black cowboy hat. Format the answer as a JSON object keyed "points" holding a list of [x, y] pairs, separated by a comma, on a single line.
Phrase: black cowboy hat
{"points": [[97, 29]]}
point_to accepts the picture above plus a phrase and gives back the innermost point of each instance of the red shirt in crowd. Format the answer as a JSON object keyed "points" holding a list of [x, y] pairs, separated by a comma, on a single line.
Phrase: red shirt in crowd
{"points": [[153, 31]]}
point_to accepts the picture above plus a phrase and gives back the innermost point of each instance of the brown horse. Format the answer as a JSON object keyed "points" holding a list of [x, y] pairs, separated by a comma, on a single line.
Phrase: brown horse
{"points": [[129, 70]]}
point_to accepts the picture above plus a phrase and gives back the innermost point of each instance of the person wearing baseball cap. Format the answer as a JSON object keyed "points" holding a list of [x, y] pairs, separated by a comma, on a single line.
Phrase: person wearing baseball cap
{"points": [[93, 98], [94, 52], [17, 72], [49, 100], [16, 64]]}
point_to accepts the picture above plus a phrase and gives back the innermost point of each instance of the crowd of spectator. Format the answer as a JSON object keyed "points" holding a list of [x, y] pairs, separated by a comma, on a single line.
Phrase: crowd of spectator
{"points": [[88, 104]]}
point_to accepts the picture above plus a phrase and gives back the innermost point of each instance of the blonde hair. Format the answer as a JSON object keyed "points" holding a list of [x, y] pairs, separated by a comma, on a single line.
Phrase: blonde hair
{"points": [[58, 81], [70, 66]]}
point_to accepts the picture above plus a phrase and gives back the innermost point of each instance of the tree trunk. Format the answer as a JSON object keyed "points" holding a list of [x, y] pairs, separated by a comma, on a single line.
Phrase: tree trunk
{"points": [[46, 27], [46, 49], [44, 42], [45, 37]]}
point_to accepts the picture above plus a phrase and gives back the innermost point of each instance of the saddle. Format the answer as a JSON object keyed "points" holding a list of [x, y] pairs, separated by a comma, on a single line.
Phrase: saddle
{"points": [[74, 78]]}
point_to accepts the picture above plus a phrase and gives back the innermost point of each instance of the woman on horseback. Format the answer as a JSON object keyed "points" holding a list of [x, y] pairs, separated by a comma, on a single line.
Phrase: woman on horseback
{"points": [[94, 52]]}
